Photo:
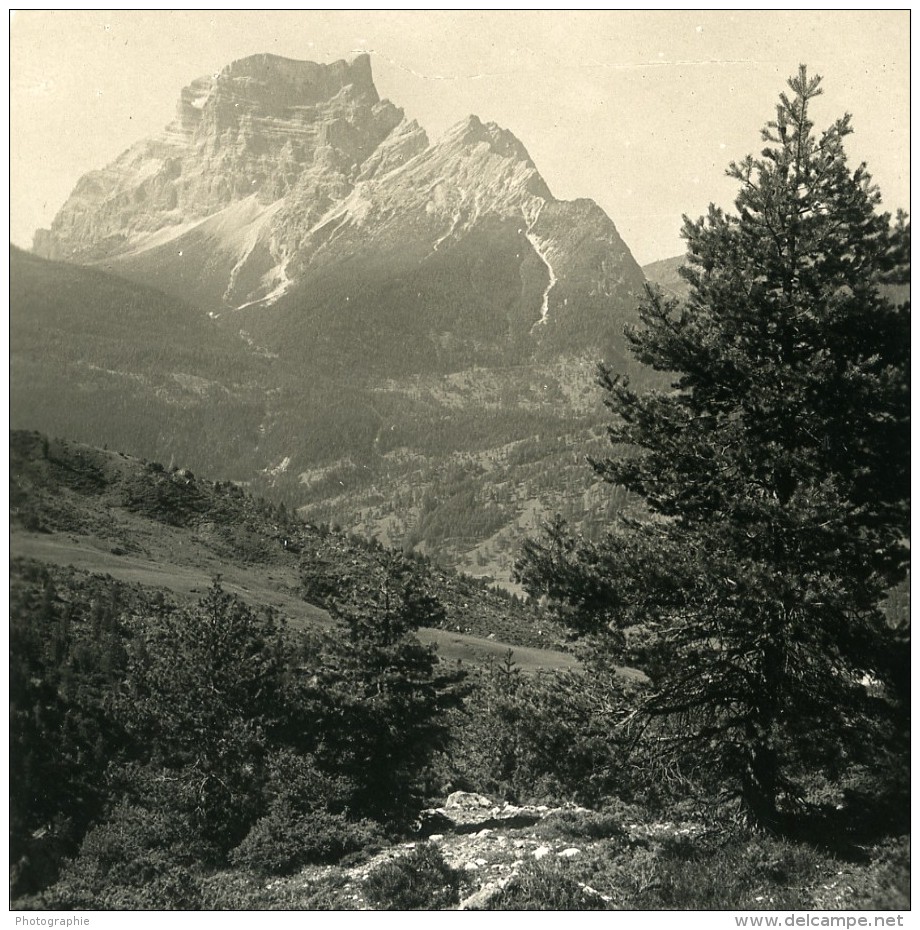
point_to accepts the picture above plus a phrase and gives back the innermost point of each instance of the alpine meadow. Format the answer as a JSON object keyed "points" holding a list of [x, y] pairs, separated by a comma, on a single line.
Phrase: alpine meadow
{"points": [[385, 537]]}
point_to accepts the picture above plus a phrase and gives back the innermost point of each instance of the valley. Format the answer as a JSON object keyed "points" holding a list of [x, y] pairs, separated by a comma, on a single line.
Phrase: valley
{"points": [[102, 513], [383, 535]]}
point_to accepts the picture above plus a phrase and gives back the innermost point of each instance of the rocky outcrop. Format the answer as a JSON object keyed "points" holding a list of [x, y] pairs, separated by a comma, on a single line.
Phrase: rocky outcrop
{"points": [[467, 812], [491, 841]]}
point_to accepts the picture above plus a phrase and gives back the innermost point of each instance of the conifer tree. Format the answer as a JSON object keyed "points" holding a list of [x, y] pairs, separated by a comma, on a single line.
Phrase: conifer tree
{"points": [[775, 472]]}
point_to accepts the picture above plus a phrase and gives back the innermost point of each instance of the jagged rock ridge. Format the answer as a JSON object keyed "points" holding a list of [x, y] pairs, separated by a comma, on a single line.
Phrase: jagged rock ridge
{"points": [[253, 130], [278, 176]]}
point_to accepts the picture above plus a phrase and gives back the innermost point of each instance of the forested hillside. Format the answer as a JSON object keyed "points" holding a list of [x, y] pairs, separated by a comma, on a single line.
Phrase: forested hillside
{"points": [[136, 517], [121, 638], [453, 464]]}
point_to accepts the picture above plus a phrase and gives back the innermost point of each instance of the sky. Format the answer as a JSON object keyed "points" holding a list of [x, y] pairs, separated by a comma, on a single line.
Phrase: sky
{"points": [[640, 111]]}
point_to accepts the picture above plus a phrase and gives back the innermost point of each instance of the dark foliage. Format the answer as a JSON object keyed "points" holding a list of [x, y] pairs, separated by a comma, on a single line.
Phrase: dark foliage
{"points": [[203, 696], [775, 471], [285, 840], [551, 736], [149, 743], [379, 693], [66, 655], [137, 859]]}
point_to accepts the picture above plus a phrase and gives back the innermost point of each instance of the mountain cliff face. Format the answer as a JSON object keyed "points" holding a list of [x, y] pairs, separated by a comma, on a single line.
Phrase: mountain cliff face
{"points": [[278, 178], [390, 334], [253, 131]]}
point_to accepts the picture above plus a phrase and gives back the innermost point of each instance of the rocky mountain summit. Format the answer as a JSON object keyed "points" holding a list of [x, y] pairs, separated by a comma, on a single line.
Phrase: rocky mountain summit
{"points": [[278, 177], [251, 131]]}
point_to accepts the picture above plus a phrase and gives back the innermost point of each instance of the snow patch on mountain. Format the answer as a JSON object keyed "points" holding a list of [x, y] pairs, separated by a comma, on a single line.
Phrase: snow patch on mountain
{"points": [[278, 275], [458, 216], [279, 469], [542, 248]]}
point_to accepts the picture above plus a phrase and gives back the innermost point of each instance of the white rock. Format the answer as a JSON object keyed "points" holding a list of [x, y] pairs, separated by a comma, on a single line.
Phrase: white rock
{"points": [[569, 853], [542, 851], [467, 800]]}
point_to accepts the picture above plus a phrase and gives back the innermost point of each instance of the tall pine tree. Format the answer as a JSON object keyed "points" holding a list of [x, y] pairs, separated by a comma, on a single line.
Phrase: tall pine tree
{"points": [[775, 470]]}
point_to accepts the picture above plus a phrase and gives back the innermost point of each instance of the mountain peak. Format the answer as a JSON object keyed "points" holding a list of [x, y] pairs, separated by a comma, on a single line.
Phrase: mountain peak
{"points": [[267, 85], [264, 126], [295, 82], [472, 131], [278, 173]]}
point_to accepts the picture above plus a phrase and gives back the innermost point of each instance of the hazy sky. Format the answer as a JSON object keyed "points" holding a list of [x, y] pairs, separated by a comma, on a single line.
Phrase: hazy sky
{"points": [[640, 111]]}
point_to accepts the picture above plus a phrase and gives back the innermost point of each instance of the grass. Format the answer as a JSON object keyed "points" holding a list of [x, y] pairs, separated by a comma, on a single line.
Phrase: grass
{"points": [[575, 825], [419, 881], [678, 874], [244, 891], [741, 872], [548, 885]]}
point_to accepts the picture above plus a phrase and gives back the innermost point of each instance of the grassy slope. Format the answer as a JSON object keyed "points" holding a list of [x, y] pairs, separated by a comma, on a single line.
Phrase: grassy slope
{"points": [[103, 512]]}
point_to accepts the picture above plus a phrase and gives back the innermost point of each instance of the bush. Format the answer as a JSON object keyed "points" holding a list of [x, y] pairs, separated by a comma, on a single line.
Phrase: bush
{"points": [[136, 860], [550, 736], [204, 696], [419, 881], [284, 841]]}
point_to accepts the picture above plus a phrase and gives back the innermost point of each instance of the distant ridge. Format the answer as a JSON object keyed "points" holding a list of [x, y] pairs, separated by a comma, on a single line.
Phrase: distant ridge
{"points": [[665, 274]]}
